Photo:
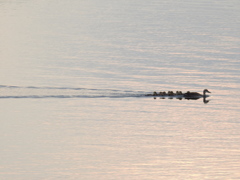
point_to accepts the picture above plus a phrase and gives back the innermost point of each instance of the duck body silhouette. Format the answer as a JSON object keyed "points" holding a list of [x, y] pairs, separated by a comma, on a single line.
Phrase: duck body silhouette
{"points": [[195, 94]]}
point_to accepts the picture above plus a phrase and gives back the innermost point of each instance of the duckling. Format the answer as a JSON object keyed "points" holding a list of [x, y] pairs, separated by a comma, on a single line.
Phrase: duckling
{"points": [[164, 93], [170, 93], [188, 92], [154, 93], [179, 93]]}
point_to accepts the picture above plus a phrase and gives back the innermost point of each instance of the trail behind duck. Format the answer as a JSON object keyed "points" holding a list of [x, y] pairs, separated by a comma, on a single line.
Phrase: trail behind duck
{"points": [[64, 92]]}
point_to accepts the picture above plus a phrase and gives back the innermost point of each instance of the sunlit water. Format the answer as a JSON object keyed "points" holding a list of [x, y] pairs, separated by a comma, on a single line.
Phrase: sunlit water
{"points": [[73, 80]]}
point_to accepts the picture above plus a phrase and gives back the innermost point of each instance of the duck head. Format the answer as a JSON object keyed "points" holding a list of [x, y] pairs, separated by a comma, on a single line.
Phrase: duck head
{"points": [[205, 90]]}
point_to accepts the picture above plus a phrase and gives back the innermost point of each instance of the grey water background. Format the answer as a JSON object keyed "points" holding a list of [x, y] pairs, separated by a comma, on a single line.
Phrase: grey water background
{"points": [[72, 76]]}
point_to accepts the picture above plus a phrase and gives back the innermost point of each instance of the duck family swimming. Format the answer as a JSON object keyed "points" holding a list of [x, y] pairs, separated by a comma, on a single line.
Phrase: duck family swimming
{"points": [[179, 95], [188, 94]]}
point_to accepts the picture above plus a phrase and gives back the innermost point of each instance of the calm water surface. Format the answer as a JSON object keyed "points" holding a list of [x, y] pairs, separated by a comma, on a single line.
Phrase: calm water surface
{"points": [[73, 75]]}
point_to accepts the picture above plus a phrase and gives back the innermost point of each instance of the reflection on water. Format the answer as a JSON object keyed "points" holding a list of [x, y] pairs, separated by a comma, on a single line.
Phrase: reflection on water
{"points": [[205, 100], [76, 75]]}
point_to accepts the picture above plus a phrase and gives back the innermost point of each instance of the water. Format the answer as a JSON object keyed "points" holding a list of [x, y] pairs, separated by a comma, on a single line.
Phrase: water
{"points": [[73, 79]]}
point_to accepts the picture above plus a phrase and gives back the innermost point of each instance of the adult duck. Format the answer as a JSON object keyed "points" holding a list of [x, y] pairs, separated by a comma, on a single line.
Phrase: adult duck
{"points": [[195, 94]]}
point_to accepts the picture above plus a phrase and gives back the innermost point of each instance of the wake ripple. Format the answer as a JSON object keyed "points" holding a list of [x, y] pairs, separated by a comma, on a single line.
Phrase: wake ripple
{"points": [[18, 92]]}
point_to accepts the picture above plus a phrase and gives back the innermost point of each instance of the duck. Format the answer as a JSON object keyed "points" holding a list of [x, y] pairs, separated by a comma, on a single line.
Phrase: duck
{"points": [[195, 94]]}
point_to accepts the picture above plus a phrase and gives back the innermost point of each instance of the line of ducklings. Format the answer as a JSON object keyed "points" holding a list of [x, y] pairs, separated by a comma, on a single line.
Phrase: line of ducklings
{"points": [[169, 93]]}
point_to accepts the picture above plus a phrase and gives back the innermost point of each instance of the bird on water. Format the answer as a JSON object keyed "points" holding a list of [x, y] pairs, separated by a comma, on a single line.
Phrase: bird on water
{"points": [[195, 94]]}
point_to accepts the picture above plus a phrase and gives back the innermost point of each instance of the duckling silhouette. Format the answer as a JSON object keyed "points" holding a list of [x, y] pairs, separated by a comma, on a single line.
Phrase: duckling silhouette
{"points": [[179, 93]]}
